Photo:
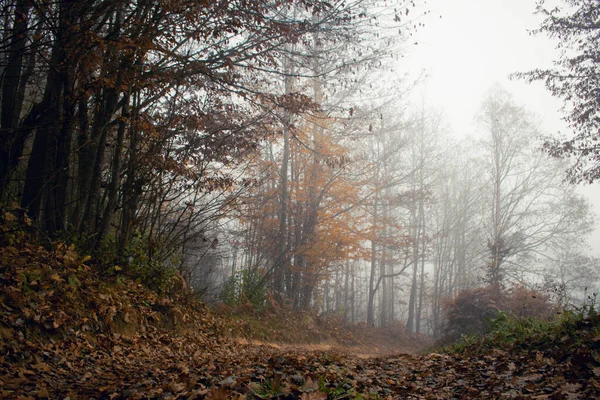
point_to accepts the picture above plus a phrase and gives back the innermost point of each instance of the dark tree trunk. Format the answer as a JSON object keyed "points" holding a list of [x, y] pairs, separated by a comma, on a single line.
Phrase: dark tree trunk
{"points": [[45, 190], [41, 167], [131, 188], [12, 139], [114, 185]]}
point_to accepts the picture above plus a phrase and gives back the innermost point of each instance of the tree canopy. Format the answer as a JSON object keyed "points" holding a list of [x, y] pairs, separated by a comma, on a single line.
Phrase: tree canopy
{"points": [[574, 79]]}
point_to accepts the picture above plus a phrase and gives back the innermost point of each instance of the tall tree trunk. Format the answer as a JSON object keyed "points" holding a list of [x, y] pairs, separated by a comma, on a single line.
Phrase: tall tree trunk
{"points": [[58, 201], [338, 293], [346, 290], [13, 83], [42, 167], [410, 324], [91, 174], [384, 266], [383, 319], [413, 290], [83, 161], [131, 187], [114, 185], [281, 262], [421, 272], [373, 271], [422, 227], [353, 294]]}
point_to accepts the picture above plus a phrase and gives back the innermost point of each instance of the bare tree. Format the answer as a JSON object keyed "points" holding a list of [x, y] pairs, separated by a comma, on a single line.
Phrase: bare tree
{"points": [[528, 208]]}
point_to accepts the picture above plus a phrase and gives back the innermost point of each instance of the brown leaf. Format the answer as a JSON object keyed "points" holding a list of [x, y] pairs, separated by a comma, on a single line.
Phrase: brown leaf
{"points": [[177, 387], [42, 393], [571, 390], [218, 394], [10, 217], [309, 385]]}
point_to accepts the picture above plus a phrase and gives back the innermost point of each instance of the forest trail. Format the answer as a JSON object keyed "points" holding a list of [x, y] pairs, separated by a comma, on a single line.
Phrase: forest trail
{"points": [[358, 351], [67, 332], [195, 367]]}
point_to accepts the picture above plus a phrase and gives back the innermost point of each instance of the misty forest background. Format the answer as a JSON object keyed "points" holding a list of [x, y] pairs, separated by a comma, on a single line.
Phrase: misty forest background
{"points": [[266, 152]]}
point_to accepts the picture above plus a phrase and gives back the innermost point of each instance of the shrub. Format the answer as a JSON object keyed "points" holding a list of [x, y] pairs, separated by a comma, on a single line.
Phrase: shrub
{"points": [[558, 336], [527, 303], [150, 264], [472, 312], [246, 287], [469, 313]]}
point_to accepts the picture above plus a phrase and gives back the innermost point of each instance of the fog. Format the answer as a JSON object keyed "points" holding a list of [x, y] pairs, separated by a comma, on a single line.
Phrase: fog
{"points": [[467, 47], [368, 160], [432, 188]]}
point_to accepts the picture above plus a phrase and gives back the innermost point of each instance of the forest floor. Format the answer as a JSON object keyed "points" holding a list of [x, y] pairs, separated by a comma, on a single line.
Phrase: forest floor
{"points": [[67, 332]]}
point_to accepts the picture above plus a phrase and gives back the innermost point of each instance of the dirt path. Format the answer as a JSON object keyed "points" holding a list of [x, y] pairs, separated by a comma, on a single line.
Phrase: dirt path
{"points": [[364, 351], [68, 335], [190, 367]]}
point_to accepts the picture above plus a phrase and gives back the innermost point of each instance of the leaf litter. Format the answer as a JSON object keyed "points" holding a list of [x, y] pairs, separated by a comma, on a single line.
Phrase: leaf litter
{"points": [[68, 334]]}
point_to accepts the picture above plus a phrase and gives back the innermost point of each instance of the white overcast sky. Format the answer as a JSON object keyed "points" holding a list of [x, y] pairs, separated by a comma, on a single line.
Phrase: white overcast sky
{"points": [[476, 44]]}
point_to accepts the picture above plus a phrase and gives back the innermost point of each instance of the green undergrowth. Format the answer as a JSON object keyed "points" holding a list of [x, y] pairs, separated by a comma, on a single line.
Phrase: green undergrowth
{"points": [[567, 331]]}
